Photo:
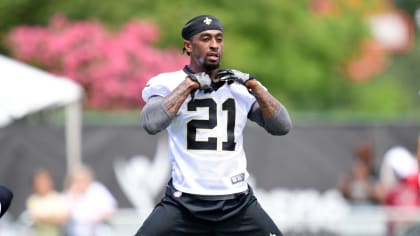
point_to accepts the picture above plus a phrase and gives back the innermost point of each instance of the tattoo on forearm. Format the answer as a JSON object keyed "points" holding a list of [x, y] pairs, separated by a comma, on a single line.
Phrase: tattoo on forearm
{"points": [[175, 99], [269, 105]]}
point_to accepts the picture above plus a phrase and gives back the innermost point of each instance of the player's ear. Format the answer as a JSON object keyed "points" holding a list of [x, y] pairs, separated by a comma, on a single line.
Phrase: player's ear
{"points": [[187, 47]]}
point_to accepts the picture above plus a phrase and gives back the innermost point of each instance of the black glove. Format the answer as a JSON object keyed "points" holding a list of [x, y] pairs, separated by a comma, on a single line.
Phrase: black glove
{"points": [[203, 80], [5, 198], [234, 75]]}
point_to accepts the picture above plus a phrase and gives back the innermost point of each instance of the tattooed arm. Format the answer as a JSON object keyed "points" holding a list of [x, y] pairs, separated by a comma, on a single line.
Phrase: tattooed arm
{"points": [[268, 112], [159, 111]]}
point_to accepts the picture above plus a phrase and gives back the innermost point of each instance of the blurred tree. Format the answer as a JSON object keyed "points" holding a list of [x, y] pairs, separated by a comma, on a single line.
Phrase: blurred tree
{"points": [[410, 6], [405, 68], [111, 67], [299, 55]]}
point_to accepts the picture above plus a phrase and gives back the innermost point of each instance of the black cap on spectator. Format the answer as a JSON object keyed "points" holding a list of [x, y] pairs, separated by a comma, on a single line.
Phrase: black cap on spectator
{"points": [[5, 199]]}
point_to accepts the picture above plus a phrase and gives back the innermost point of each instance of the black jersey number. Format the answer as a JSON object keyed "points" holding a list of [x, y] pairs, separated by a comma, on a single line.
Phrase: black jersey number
{"points": [[193, 125]]}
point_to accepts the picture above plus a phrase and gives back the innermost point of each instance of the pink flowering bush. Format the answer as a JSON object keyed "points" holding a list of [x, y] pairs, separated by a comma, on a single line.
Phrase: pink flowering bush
{"points": [[112, 67]]}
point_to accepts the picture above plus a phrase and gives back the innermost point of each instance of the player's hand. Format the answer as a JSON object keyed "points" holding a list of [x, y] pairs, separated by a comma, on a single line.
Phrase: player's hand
{"points": [[234, 75], [203, 80]]}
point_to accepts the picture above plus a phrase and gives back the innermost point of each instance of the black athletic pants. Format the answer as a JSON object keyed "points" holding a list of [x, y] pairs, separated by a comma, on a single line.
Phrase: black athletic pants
{"points": [[184, 215]]}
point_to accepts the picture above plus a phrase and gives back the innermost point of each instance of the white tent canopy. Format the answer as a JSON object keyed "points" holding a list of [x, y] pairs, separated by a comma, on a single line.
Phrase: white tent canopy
{"points": [[25, 89]]}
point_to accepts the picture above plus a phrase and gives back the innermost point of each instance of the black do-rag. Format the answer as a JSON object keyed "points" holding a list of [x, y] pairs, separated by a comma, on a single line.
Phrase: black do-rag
{"points": [[199, 24], [5, 199]]}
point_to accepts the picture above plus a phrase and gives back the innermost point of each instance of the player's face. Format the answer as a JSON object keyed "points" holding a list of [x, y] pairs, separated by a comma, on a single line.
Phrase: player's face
{"points": [[207, 49]]}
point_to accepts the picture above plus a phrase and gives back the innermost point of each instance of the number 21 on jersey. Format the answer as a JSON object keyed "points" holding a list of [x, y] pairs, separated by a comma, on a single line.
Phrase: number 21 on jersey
{"points": [[211, 144]]}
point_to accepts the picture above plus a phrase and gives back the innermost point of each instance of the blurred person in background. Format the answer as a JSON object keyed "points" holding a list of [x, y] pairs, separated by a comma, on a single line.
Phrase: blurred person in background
{"points": [[45, 206], [91, 204], [6, 196], [397, 164], [205, 109], [365, 153], [400, 176], [360, 186]]}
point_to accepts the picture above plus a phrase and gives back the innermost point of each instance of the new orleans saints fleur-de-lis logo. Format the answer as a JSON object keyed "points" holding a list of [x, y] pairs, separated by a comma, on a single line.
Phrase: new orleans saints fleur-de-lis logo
{"points": [[207, 21]]}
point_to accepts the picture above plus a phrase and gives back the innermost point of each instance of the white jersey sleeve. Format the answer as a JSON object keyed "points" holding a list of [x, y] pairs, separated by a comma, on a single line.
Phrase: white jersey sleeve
{"points": [[162, 84]]}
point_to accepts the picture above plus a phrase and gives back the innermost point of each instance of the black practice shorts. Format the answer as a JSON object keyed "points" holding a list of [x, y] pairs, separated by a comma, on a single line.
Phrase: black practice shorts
{"points": [[185, 214]]}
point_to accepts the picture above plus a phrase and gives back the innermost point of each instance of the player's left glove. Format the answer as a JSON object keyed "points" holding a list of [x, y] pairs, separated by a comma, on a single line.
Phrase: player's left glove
{"points": [[234, 75]]}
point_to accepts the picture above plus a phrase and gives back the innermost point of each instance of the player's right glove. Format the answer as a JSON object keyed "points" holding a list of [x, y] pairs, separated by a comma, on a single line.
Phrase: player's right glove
{"points": [[203, 80]]}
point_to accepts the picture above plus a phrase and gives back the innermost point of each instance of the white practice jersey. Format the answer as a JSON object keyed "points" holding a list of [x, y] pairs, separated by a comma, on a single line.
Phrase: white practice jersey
{"points": [[205, 137]]}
